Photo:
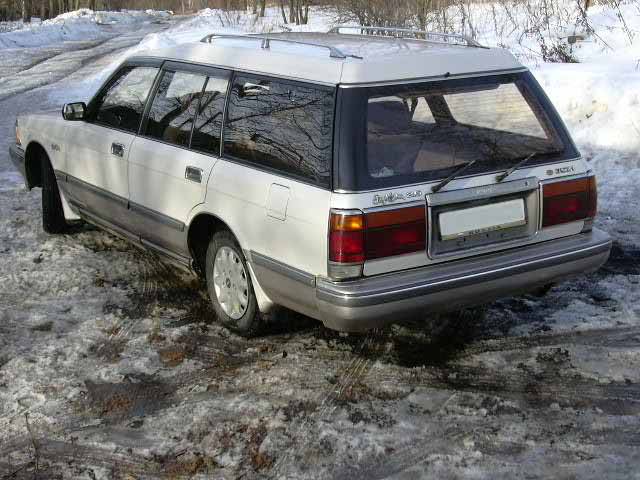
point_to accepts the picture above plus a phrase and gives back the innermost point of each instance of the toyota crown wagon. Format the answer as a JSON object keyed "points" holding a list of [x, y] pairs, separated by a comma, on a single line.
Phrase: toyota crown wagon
{"points": [[359, 177]]}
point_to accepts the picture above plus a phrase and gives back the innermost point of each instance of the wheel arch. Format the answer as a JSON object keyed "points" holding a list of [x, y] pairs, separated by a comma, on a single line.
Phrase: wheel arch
{"points": [[199, 233], [34, 155]]}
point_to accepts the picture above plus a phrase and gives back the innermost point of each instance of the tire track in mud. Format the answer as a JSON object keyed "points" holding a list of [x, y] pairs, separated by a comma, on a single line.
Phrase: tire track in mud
{"points": [[540, 389], [602, 337], [327, 402], [54, 453]]}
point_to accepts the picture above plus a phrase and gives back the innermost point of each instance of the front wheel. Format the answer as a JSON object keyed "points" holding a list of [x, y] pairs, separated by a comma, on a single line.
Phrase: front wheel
{"points": [[53, 220], [229, 285]]}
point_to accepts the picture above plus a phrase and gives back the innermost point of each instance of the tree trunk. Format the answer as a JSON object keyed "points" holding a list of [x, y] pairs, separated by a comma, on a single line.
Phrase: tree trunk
{"points": [[284, 15], [26, 11], [263, 5]]}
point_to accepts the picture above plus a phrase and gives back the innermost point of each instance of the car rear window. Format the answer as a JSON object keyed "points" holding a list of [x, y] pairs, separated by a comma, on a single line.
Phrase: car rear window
{"points": [[422, 132]]}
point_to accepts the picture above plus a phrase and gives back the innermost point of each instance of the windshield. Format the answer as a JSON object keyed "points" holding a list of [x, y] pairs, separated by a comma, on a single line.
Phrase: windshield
{"points": [[422, 132]]}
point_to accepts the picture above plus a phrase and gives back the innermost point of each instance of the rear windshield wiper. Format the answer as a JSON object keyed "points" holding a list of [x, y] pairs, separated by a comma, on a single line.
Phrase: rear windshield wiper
{"points": [[504, 175], [444, 182]]}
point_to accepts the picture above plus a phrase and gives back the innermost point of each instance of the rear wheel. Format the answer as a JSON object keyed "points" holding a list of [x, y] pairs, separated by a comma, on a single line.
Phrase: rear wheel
{"points": [[53, 220], [229, 285]]}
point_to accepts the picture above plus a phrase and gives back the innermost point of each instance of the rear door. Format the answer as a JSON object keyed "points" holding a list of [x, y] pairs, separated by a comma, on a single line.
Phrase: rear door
{"points": [[179, 143], [98, 148]]}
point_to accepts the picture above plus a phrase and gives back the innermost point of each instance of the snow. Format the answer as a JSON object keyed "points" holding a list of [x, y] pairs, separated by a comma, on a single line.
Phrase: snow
{"points": [[83, 24], [113, 357]]}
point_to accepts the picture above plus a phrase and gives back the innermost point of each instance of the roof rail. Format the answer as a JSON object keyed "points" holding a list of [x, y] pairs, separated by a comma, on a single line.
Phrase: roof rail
{"points": [[266, 40], [435, 37]]}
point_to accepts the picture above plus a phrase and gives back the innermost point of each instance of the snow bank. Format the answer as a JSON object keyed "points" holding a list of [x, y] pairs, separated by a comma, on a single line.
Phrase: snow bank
{"points": [[599, 98], [83, 24]]}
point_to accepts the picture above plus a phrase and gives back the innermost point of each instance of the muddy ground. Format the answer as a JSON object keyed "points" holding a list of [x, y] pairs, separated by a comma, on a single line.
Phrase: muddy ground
{"points": [[112, 366]]}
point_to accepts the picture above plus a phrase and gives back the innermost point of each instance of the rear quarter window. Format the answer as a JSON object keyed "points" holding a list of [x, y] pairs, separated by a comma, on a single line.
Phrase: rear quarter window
{"points": [[280, 126]]}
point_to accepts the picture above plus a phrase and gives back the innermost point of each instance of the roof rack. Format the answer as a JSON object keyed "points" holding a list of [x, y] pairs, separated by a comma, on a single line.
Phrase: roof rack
{"points": [[266, 40], [435, 37]]}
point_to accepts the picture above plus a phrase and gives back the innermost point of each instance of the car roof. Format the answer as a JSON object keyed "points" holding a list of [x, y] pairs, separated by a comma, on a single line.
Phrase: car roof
{"points": [[337, 58]]}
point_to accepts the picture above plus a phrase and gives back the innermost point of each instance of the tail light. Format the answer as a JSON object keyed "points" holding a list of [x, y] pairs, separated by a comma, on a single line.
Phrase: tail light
{"points": [[355, 237], [568, 201], [394, 232]]}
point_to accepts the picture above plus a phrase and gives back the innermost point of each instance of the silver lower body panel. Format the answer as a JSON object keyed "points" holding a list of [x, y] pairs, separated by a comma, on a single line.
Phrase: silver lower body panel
{"points": [[375, 301]]}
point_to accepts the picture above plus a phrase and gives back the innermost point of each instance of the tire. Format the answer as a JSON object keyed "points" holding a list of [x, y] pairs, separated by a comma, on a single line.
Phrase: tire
{"points": [[53, 220], [229, 285]]}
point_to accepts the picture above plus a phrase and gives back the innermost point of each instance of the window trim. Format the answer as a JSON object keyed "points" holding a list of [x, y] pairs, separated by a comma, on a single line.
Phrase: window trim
{"points": [[298, 178], [160, 63], [129, 63], [173, 66]]}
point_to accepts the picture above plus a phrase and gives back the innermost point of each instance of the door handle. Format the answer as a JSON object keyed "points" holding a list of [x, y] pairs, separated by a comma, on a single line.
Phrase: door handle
{"points": [[194, 174], [117, 149]]}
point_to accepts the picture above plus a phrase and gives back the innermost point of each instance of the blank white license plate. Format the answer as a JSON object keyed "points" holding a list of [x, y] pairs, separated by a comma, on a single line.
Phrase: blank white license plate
{"points": [[485, 218]]}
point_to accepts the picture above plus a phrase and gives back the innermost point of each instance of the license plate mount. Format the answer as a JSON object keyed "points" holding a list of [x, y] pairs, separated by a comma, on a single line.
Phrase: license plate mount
{"points": [[482, 219], [479, 219]]}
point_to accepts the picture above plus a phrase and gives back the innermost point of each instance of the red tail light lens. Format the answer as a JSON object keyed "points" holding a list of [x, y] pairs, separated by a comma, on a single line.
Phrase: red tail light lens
{"points": [[346, 247], [346, 237], [355, 237], [394, 232], [568, 201]]}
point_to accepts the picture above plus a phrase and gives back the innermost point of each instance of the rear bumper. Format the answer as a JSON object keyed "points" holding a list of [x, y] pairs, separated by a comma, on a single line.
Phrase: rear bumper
{"points": [[371, 302], [17, 158]]}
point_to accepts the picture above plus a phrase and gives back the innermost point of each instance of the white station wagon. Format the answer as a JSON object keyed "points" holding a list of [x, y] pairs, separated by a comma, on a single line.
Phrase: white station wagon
{"points": [[359, 177]]}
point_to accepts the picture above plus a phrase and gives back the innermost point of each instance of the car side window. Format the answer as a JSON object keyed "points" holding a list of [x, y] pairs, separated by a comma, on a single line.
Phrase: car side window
{"points": [[281, 126], [206, 132], [174, 107], [121, 104]]}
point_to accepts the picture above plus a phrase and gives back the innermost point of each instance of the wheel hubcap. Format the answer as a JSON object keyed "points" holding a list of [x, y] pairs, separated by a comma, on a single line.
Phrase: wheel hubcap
{"points": [[230, 283]]}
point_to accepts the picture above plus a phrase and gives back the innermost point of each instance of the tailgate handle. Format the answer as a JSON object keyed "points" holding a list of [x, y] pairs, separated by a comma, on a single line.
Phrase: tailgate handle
{"points": [[117, 149], [194, 174]]}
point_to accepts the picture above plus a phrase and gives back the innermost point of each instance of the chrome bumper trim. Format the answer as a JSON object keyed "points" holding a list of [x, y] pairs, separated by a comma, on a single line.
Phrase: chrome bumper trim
{"points": [[407, 284]]}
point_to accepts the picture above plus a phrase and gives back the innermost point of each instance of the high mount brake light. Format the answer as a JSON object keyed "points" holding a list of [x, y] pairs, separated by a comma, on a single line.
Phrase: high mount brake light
{"points": [[355, 237], [569, 201]]}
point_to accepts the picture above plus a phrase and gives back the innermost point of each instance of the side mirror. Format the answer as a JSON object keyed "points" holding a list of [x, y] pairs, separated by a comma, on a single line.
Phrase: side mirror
{"points": [[74, 111]]}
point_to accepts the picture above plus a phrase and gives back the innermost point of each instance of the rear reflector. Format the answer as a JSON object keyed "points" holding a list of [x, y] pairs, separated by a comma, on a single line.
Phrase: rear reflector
{"points": [[569, 201]]}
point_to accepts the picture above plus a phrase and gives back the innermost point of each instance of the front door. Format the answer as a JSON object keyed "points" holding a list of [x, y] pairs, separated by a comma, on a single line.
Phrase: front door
{"points": [[98, 149], [171, 160]]}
